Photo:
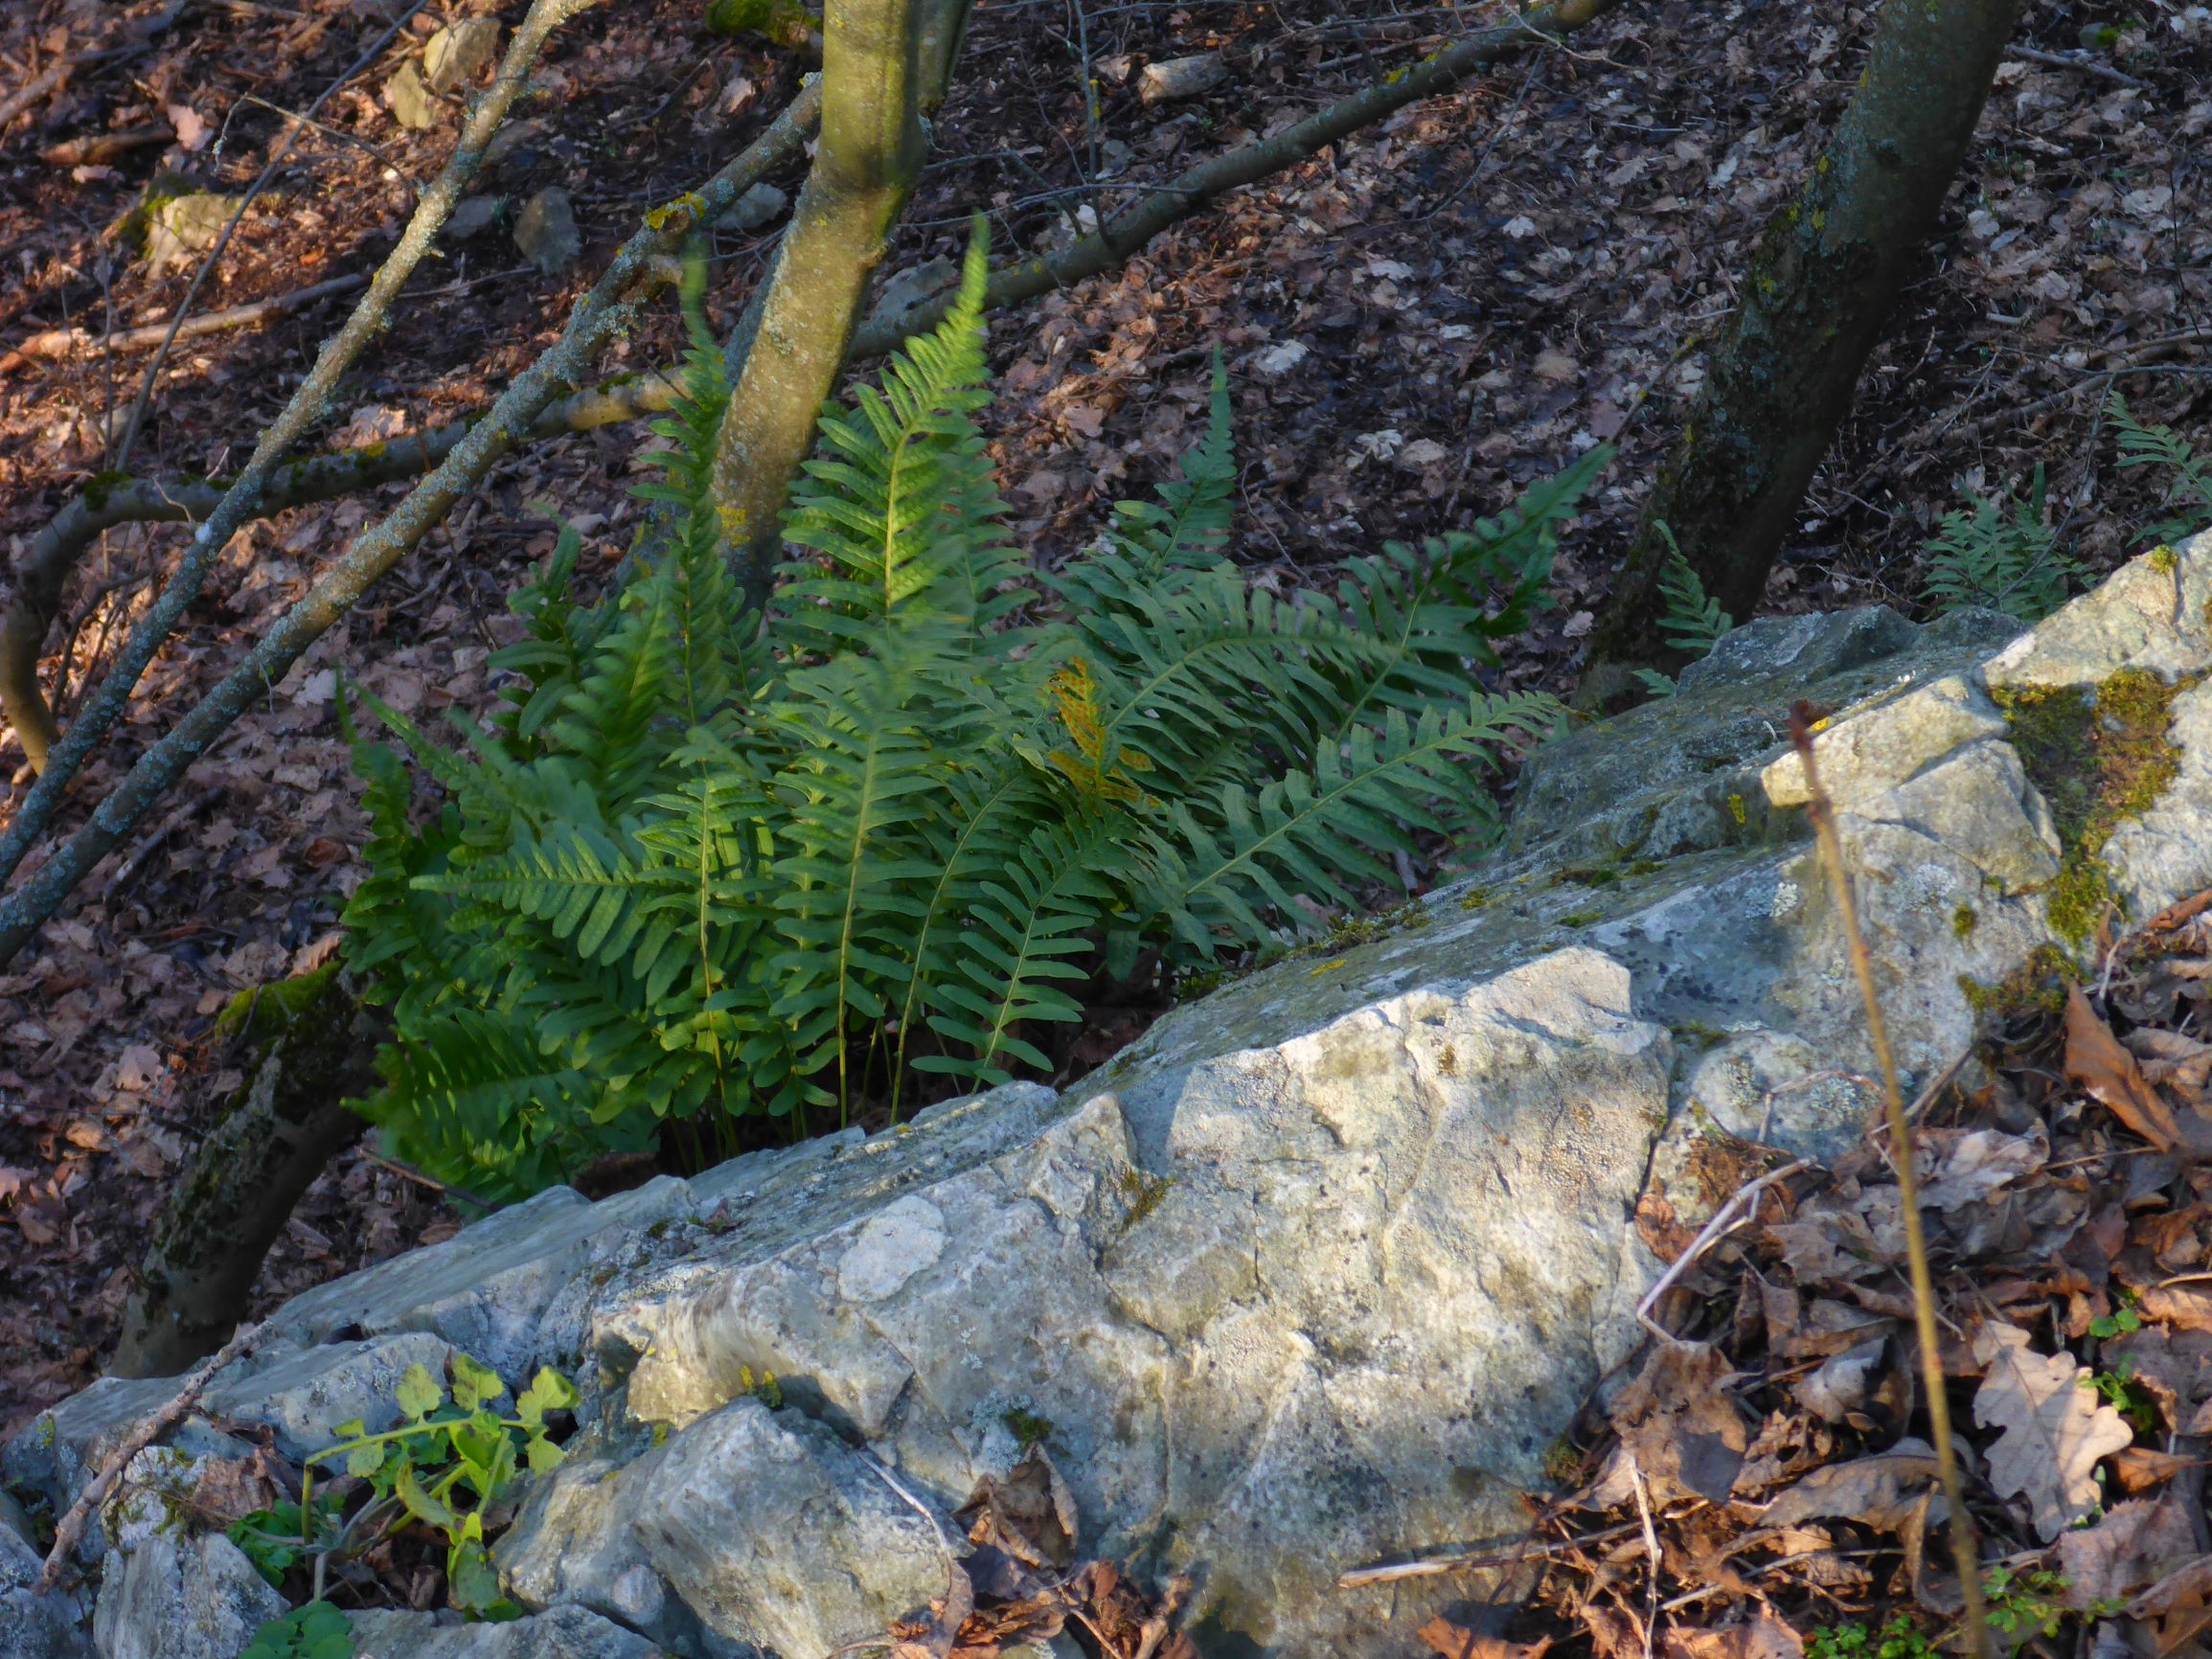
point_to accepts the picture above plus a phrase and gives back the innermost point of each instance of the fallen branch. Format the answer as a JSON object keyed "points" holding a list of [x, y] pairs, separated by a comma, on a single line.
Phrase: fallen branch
{"points": [[46, 566], [1724, 1219], [307, 405], [2079, 65], [94, 1493], [595, 320], [1129, 230], [60, 342]]}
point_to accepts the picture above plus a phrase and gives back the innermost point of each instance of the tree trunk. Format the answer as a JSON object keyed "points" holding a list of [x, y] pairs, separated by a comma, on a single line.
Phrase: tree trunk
{"points": [[865, 164], [1811, 308], [311, 1043]]}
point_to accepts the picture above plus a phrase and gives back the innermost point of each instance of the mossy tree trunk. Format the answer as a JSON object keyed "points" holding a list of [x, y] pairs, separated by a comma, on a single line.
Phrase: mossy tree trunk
{"points": [[311, 1042], [882, 62], [1811, 307]]}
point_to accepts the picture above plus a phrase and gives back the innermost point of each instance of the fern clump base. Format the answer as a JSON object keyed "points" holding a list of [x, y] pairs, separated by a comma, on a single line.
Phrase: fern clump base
{"points": [[711, 867]]}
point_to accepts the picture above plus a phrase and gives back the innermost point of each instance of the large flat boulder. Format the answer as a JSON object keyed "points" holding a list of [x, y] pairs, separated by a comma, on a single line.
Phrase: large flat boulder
{"points": [[1315, 1273]]}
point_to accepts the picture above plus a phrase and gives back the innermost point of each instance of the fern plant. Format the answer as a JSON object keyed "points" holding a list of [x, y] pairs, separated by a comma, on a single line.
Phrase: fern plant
{"points": [[708, 862], [1693, 621], [2000, 553], [2190, 487]]}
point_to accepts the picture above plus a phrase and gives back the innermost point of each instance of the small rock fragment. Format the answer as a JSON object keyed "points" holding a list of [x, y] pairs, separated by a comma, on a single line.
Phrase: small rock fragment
{"points": [[472, 216], [905, 289], [412, 105], [1180, 77], [514, 136], [545, 231], [186, 224], [758, 206], [1278, 360], [457, 52]]}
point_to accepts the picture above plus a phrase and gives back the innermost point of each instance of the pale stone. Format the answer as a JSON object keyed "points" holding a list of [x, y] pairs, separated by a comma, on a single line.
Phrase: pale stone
{"points": [[761, 205], [32, 1625], [545, 231], [178, 1598], [459, 52], [561, 1633], [412, 105], [1181, 77]]}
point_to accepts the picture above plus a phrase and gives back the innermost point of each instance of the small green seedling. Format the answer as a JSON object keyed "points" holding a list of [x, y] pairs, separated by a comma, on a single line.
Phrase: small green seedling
{"points": [[1894, 1640], [317, 1631], [2120, 1321], [276, 1538], [2125, 1394], [452, 1459]]}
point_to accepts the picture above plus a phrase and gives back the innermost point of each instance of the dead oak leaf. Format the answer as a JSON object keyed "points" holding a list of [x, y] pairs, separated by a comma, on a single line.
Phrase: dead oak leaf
{"points": [[2135, 1543], [1882, 1491], [2097, 1061], [1765, 1637], [1454, 1640], [2054, 1427], [1680, 1426]]}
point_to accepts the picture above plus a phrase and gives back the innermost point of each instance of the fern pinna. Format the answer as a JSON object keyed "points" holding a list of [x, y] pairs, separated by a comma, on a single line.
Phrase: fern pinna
{"points": [[708, 862]]}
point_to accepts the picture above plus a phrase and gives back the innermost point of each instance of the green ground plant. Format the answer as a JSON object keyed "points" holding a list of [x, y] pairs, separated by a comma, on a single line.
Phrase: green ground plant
{"points": [[714, 862]]}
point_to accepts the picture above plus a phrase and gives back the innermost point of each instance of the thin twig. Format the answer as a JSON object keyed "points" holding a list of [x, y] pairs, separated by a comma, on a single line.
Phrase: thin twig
{"points": [[1724, 1220], [2079, 65], [60, 342], [306, 406], [1962, 1535], [594, 321], [153, 1428], [277, 159], [1360, 1578], [1650, 1552]]}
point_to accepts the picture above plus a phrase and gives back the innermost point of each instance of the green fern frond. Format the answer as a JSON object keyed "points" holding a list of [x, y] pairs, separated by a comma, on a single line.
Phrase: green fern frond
{"points": [[2000, 553], [1693, 621], [1311, 833], [2191, 484]]}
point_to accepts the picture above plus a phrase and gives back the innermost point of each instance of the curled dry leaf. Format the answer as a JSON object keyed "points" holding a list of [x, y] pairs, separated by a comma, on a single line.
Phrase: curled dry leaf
{"points": [[1764, 1637], [2097, 1061], [2054, 1427], [2135, 1545], [1882, 1491], [1454, 1640], [1679, 1424]]}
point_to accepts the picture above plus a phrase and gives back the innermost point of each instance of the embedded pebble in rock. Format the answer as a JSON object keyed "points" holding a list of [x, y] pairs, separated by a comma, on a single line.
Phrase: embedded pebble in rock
{"points": [[1312, 1274]]}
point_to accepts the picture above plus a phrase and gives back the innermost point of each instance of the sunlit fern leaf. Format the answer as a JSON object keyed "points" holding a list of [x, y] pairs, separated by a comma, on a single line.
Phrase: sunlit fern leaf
{"points": [[1998, 554], [2191, 484], [1312, 834], [901, 506], [850, 866], [1029, 936]]}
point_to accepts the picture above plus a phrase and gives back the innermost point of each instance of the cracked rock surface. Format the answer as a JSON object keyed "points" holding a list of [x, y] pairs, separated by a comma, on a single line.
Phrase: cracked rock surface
{"points": [[1313, 1273]]}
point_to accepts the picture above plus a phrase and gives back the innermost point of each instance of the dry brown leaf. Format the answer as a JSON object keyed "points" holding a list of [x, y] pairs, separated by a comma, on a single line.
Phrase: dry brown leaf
{"points": [[1882, 1491], [2141, 1469], [2054, 1427], [1454, 1641], [2133, 1546], [2096, 1059], [1681, 1425], [1765, 1637]]}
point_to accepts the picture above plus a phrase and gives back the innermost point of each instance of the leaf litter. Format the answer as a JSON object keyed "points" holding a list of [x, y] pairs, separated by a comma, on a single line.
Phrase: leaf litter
{"points": [[1792, 1496]]}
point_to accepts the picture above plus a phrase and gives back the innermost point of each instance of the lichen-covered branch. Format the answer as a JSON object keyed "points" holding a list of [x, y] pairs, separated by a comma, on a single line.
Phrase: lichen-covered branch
{"points": [[1811, 308], [308, 404], [865, 167], [1131, 229], [310, 1043], [106, 502], [595, 320]]}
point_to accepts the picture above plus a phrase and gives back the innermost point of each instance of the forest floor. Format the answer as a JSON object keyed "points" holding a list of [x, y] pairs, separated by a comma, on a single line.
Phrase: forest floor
{"points": [[1416, 324]]}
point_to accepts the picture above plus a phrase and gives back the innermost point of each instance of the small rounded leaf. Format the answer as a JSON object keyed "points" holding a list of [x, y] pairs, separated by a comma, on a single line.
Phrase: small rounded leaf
{"points": [[418, 1394]]}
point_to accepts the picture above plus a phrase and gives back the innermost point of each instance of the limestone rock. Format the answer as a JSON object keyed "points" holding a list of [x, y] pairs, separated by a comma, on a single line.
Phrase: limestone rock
{"points": [[561, 1633], [545, 231], [178, 1598], [1180, 77], [412, 104], [761, 205], [1312, 1273], [32, 1626], [186, 225], [458, 51], [472, 216]]}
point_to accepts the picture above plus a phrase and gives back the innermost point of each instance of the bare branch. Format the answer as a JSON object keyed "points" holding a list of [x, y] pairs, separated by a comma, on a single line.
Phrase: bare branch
{"points": [[1129, 230], [307, 405], [46, 566], [596, 318], [61, 342]]}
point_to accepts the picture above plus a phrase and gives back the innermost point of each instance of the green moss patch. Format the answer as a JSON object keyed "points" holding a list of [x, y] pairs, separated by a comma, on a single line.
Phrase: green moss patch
{"points": [[2100, 757]]}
